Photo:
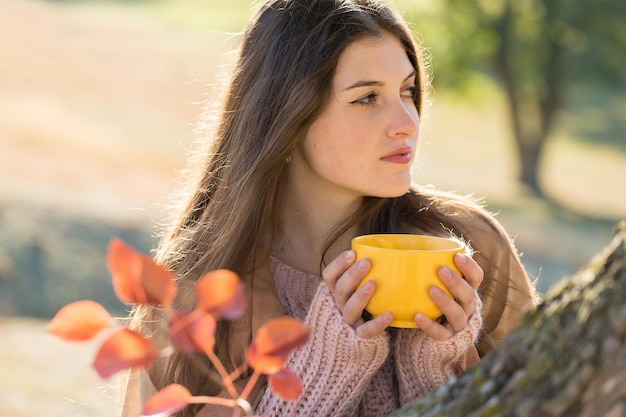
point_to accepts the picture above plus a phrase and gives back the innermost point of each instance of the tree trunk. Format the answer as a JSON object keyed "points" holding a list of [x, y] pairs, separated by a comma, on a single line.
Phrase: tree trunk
{"points": [[530, 151], [528, 147], [532, 115], [567, 358]]}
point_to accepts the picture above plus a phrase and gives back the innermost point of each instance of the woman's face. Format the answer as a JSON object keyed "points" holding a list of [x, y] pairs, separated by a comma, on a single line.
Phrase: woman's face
{"points": [[365, 140]]}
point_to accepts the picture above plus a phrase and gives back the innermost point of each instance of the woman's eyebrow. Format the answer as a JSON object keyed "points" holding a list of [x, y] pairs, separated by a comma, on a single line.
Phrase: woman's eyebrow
{"points": [[366, 83], [411, 75]]}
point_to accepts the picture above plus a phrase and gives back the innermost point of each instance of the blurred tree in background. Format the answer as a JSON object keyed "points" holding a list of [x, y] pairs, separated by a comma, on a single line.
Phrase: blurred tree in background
{"points": [[539, 51]]}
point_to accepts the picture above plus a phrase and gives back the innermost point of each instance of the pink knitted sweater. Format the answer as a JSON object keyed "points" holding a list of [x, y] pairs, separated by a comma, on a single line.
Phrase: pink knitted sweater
{"points": [[345, 375]]}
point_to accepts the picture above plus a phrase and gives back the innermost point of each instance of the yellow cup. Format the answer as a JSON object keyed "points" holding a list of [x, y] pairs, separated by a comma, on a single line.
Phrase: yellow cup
{"points": [[404, 268]]}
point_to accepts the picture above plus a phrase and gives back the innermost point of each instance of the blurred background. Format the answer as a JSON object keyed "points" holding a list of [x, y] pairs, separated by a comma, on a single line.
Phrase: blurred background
{"points": [[100, 101]]}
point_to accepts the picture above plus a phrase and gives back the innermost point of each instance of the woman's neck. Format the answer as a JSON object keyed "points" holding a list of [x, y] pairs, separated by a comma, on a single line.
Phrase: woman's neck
{"points": [[306, 222]]}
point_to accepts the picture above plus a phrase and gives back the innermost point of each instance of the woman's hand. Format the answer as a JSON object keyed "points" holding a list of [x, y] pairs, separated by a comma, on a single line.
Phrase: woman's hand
{"points": [[456, 310], [342, 276]]}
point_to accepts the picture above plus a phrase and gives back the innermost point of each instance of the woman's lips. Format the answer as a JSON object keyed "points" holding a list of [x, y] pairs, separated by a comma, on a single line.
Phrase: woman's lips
{"points": [[399, 156]]}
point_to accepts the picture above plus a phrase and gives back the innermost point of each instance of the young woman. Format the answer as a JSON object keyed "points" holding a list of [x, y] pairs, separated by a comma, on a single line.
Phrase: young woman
{"points": [[313, 147]]}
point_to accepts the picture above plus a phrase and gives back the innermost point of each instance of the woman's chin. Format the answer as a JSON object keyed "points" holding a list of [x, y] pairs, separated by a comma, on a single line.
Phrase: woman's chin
{"points": [[392, 192]]}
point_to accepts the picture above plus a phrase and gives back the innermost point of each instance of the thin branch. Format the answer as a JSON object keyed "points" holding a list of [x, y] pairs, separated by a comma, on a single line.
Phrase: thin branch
{"points": [[251, 383], [205, 399], [237, 372], [228, 384]]}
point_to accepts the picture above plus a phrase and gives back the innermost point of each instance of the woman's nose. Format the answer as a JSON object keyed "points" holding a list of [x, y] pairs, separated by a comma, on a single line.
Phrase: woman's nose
{"points": [[404, 120]]}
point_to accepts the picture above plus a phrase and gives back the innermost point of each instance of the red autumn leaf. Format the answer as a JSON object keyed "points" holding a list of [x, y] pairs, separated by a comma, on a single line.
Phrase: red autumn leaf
{"points": [[286, 384], [192, 331], [273, 343], [169, 400], [124, 349], [137, 279], [221, 293], [80, 320]]}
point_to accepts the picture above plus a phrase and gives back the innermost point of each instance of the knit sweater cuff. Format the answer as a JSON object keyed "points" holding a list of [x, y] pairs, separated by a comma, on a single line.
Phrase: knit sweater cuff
{"points": [[423, 363], [335, 364]]}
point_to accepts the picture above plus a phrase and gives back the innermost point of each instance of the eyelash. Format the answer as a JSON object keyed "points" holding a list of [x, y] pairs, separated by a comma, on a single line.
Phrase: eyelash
{"points": [[365, 101], [413, 90], [369, 99]]}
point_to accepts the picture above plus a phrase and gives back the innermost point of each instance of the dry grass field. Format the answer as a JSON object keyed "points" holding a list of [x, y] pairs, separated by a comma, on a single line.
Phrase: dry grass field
{"points": [[98, 109], [43, 376], [97, 104]]}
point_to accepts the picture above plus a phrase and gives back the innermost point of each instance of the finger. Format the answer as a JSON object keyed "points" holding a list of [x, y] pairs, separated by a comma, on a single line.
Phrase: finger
{"points": [[354, 306], [432, 328], [471, 271], [460, 289], [338, 266], [347, 283], [375, 326], [450, 308]]}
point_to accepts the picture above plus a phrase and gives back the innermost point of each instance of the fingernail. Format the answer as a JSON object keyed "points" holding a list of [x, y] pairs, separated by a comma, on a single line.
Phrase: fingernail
{"points": [[387, 317], [362, 264], [368, 286], [419, 317], [350, 256], [445, 273], [436, 292], [460, 258]]}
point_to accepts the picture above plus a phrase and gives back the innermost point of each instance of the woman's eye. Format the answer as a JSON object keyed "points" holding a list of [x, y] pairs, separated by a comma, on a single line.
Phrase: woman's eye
{"points": [[368, 99], [410, 92]]}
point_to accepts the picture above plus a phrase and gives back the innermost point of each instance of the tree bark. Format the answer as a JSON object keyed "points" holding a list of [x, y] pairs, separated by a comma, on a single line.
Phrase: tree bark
{"points": [[567, 358]]}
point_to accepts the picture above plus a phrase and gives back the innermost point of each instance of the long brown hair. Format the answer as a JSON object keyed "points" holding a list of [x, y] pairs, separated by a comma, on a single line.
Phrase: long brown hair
{"points": [[279, 85]]}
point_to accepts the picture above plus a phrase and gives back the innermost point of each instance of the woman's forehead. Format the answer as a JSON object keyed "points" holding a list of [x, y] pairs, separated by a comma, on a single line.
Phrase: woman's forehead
{"points": [[371, 58]]}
